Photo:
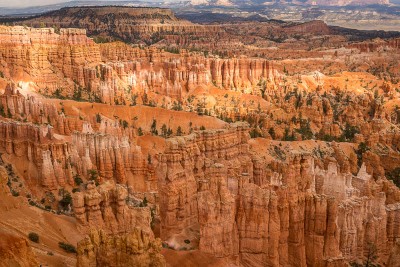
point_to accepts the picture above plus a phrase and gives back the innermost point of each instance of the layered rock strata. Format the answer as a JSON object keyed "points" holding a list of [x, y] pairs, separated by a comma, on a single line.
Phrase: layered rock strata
{"points": [[105, 207], [67, 146], [270, 213], [70, 65], [128, 23], [15, 251], [136, 248], [377, 45]]}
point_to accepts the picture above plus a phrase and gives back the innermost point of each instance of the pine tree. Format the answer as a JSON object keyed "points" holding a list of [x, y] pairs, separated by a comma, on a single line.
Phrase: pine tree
{"points": [[153, 128], [164, 130], [179, 131]]}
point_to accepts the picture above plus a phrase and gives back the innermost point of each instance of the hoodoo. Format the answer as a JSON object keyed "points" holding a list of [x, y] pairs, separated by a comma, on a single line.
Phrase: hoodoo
{"points": [[130, 136]]}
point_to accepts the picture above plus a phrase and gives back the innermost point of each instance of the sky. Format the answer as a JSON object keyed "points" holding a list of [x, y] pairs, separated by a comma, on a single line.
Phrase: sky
{"points": [[27, 3]]}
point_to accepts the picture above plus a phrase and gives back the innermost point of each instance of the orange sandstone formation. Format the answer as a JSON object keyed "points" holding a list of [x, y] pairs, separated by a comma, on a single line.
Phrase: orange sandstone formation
{"points": [[269, 213], [15, 251], [105, 207], [136, 248], [82, 74], [311, 192]]}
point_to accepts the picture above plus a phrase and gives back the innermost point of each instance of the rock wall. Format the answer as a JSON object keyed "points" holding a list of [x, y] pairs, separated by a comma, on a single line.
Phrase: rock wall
{"points": [[56, 152], [377, 45], [136, 248], [56, 160], [209, 189], [394, 260], [270, 213], [127, 23], [105, 207], [372, 120], [314, 27], [71, 65], [175, 76], [15, 251], [40, 51], [34, 144]]}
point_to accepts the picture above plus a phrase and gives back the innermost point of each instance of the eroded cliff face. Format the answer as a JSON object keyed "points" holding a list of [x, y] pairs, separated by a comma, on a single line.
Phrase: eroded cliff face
{"points": [[106, 207], [136, 248], [71, 65], [251, 202], [67, 145], [394, 259], [39, 52], [16, 251], [377, 45], [131, 24], [188, 176], [269, 212], [214, 193]]}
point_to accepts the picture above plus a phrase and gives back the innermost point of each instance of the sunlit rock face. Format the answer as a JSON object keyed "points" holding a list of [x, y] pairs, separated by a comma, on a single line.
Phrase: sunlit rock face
{"points": [[135, 248], [269, 213], [70, 64], [278, 159]]}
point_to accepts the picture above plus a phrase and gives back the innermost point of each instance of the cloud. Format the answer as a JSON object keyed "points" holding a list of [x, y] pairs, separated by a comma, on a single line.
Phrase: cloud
{"points": [[31, 3], [26, 3]]}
